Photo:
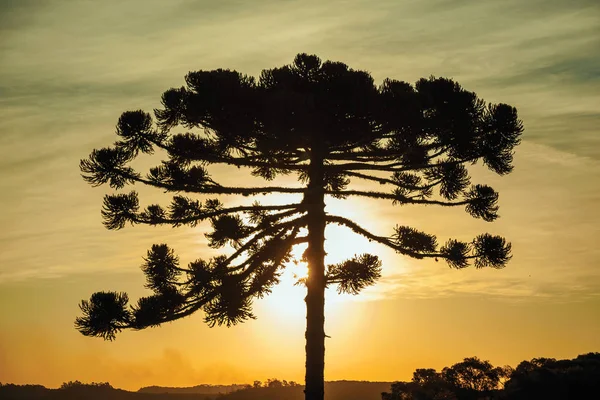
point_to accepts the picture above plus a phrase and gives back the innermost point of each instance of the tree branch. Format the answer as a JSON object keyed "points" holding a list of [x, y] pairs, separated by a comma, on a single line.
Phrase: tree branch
{"points": [[379, 239], [391, 196], [296, 206], [210, 189], [388, 181], [254, 160], [258, 255], [266, 232], [393, 167]]}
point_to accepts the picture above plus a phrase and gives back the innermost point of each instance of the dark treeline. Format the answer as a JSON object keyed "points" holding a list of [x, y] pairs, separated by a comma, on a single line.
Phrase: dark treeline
{"points": [[220, 389], [198, 389], [470, 379], [475, 379], [89, 391]]}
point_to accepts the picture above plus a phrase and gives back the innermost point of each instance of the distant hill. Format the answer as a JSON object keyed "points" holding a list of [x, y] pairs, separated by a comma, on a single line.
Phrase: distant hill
{"points": [[38, 392], [199, 389], [339, 390]]}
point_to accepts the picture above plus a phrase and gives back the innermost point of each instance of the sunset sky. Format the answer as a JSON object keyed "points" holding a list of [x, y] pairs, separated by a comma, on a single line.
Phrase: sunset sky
{"points": [[69, 68]]}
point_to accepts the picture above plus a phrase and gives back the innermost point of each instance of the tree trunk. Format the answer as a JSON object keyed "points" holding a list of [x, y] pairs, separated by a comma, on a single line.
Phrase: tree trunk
{"points": [[315, 296]]}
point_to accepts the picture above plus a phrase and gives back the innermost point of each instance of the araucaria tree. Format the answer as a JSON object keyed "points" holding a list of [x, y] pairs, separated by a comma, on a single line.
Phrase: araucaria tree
{"points": [[326, 124]]}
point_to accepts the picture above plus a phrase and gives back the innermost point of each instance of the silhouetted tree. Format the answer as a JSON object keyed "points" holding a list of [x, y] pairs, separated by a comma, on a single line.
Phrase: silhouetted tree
{"points": [[274, 383], [426, 384], [470, 379], [473, 378], [79, 385], [325, 123]]}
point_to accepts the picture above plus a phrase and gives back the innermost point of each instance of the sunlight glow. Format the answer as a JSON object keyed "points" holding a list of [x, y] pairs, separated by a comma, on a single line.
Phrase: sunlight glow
{"points": [[287, 298]]}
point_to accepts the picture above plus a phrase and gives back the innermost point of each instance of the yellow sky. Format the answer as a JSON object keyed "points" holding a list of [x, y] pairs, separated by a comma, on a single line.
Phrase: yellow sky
{"points": [[67, 71]]}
